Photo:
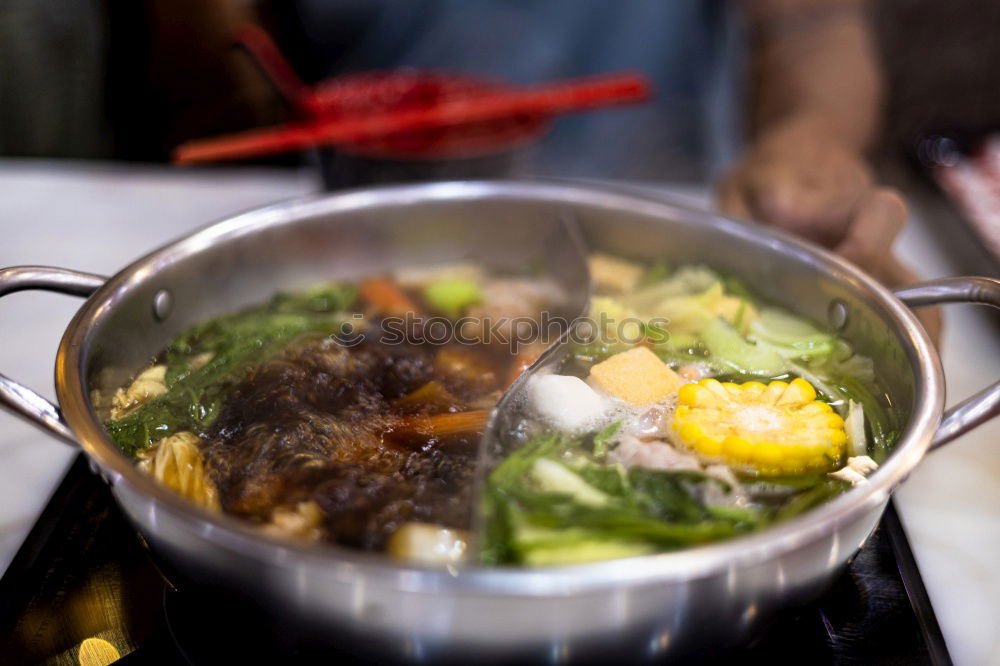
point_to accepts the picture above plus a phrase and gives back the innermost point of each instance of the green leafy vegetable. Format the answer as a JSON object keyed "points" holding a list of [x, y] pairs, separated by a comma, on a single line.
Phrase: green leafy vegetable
{"points": [[556, 478], [818, 494], [687, 281], [605, 437], [336, 297], [610, 479], [542, 510], [656, 334], [232, 344], [791, 336], [512, 470], [727, 345]]}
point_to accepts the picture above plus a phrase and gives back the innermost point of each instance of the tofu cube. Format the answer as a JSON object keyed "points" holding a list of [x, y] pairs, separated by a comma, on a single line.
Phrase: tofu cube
{"points": [[636, 376]]}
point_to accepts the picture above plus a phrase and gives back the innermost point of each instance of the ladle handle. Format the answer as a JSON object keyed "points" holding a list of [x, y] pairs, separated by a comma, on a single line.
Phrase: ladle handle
{"points": [[15, 397], [984, 405]]}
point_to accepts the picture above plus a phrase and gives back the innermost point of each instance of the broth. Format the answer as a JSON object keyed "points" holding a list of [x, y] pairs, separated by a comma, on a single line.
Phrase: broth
{"points": [[691, 412]]}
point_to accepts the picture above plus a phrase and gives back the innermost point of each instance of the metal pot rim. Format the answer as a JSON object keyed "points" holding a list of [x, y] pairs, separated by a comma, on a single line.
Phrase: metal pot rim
{"points": [[239, 538]]}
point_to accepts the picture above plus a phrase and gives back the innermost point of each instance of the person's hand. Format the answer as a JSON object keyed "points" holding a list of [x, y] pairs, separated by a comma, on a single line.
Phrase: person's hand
{"points": [[802, 179]]}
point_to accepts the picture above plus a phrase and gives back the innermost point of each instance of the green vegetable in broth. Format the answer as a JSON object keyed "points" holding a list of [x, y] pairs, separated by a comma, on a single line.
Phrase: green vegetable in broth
{"points": [[231, 344], [540, 519], [451, 296], [725, 344], [790, 336]]}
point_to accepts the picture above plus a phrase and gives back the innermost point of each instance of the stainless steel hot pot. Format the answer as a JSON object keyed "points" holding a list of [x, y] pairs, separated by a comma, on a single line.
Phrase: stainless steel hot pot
{"points": [[647, 607]]}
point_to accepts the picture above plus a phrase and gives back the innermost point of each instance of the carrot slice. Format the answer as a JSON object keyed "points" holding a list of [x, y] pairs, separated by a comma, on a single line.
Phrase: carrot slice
{"points": [[458, 428], [443, 425], [386, 296]]}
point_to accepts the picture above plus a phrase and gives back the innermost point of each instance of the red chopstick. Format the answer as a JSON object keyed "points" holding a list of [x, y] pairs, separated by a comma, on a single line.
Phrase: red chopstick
{"points": [[547, 99]]}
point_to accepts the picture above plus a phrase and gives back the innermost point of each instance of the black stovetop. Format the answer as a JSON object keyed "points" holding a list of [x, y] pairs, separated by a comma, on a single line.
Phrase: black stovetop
{"points": [[82, 590]]}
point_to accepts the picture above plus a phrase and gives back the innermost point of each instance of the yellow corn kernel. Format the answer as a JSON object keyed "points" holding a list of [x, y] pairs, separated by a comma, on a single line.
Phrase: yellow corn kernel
{"points": [[715, 387], [773, 392], [738, 448], [692, 432], [688, 395], [805, 387], [769, 454], [798, 453], [799, 392], [709, 446], [817, 451], [753, 390], [833, 420], [816, 407]]}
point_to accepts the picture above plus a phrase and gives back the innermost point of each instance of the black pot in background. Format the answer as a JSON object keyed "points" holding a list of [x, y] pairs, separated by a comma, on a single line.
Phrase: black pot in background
{"points": [[341, 170]]}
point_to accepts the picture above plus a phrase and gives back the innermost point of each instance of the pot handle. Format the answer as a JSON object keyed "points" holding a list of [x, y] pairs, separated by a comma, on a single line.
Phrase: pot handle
{"points": [[984, 405], [15, 397]]}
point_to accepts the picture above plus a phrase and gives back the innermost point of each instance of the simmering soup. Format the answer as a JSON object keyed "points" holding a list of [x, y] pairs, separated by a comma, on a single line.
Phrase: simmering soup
{"points": [[685, 411], [342, 413], [696, 413]]}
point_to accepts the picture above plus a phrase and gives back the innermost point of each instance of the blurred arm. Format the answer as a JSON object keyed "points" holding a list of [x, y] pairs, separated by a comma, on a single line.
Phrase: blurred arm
{"points": [[815, 97], [813, 60], [815, 106]]}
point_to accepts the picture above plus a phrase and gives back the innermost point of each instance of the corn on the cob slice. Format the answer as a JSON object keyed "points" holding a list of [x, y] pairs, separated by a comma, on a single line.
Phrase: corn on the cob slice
{"points": [[779, 428]]}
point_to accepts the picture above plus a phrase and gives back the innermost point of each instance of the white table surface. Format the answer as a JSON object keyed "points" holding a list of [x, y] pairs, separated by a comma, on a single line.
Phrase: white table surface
{"points": [[98, 217]]}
